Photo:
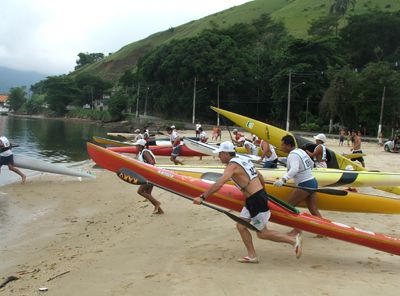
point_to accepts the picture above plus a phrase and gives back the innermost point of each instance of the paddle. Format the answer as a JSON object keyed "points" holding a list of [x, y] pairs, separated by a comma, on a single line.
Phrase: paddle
{"points": [[210, 176], [312, 190], [132, 177], [214, 176]]}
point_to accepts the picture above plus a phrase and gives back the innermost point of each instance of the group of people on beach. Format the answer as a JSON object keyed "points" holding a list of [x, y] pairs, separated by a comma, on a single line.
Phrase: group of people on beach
{"points": [[244, 174]]}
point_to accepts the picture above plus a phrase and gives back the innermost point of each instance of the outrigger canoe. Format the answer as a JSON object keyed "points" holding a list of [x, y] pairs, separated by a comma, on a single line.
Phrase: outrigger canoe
{"points": [[274, 135], [325, 177], [34, 164], [110, 142], [157, 150], [328, 199], [232, 198]]}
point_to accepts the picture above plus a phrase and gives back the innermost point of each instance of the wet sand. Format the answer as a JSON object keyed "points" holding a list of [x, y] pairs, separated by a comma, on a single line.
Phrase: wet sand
{"points": [[102, 235]]}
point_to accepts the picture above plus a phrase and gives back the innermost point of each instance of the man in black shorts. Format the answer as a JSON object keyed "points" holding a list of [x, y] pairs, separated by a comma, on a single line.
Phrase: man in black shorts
{"points": [[7, 157], [256, 209]]}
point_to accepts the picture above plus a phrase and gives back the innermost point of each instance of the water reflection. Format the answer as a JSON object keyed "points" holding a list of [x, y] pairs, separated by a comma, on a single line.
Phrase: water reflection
{"points": [[49, 139]]}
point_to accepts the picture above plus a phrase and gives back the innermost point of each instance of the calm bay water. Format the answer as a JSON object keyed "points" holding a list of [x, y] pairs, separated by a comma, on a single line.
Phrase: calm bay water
{"points": [[52, 140]]}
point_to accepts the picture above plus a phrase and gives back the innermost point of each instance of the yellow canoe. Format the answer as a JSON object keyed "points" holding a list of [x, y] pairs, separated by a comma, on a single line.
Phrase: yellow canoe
{"points": [[274, 135], [350, 202]]}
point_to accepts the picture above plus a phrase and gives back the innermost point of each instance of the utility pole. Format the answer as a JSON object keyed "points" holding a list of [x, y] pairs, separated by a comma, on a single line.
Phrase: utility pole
{"points": [[194, 100], [137, 101], [288, 102], [218, 104], [145, 102], [381, 117], [307, 111]]}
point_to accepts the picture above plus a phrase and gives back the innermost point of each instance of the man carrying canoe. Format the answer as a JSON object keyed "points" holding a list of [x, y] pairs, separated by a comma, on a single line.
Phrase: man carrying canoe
{"points": [[146, 156], [299, 166], [176, 144], [7, 158], [319, 153], [256, 209]]}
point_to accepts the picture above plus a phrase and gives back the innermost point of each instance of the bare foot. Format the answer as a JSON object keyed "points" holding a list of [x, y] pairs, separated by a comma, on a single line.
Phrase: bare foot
{"points": [[23, 179], [293, 232], [158, 210]]}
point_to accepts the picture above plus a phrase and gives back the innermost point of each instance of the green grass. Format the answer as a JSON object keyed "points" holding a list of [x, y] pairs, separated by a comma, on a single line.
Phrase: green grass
{"points": [[295, 14]]}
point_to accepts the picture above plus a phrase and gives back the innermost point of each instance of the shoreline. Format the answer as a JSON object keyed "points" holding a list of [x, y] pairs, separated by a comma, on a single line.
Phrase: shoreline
{"points": [[99, 236]]}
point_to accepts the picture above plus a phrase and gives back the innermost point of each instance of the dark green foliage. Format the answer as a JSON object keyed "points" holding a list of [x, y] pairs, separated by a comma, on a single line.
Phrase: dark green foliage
{"points": [[88, 58], [117, 104], [90, 88], [34, 105], [340, 7], [372, 37], [324, 26], [60, 92], [17, 98], [89, 114]]}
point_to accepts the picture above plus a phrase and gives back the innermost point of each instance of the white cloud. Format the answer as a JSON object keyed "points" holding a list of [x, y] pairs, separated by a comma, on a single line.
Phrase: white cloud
{"points": [[47, 35]]}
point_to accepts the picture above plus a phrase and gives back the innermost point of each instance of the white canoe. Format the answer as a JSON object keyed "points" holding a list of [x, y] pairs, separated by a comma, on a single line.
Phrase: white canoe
{"points": [[34, 164], [209, 149]]}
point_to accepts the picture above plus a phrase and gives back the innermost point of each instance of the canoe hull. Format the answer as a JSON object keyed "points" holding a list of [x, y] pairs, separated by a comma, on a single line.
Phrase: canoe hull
{"points": [[231, 198]]}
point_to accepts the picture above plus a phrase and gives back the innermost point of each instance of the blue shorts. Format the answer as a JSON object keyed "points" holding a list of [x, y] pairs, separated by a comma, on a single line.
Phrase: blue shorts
{"points": [[271, 164], [6, 160], [176, 151], [309, 183]]}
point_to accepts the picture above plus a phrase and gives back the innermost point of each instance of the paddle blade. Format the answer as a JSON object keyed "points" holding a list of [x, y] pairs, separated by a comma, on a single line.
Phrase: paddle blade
{"points": [[131, 177]]}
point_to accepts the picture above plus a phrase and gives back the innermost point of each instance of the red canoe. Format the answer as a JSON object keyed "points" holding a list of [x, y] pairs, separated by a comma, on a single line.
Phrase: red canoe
{"points": [[230, 197], [158, 150]]}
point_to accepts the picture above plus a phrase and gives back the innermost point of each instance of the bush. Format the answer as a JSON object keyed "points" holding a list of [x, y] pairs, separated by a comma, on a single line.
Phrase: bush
{"points": [[89, 114], [310, 127]]}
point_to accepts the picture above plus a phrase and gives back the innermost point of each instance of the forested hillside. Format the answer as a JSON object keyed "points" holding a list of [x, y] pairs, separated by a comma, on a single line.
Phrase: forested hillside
{"points": [[296, 15], [338, 59]]}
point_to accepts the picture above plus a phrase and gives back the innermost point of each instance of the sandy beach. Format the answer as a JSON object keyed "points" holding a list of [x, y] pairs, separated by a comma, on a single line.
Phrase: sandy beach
{"points": [[99, 237]]}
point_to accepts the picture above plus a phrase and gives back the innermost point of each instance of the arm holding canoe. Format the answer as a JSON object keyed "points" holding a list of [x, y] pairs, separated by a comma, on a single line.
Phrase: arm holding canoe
{"points": [[229, 171]]}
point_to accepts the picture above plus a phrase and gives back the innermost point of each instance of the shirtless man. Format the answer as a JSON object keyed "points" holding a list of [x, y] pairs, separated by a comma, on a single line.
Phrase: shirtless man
{"points": [[319, 153], [256, 209], [356, 148], [268, 155], [146, 156]]}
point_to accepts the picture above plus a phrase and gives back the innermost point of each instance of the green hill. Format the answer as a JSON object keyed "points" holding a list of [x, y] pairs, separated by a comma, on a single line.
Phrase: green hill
{"points": [[295, 14]]}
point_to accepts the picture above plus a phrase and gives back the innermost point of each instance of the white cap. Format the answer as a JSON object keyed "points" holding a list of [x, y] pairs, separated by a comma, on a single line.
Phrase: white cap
{"points": [[242, 139], [140, 142], [234, 130], [137, 130], [173, 126], [225, 147], [320, 137]]}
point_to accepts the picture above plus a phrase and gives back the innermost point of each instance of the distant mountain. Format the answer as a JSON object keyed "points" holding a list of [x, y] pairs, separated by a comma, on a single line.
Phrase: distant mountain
{"points": [[12, 78]]}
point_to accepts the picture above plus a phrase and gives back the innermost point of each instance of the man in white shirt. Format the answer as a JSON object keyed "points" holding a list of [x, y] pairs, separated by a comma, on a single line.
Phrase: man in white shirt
{"points": [[176, 144], [7, 157], [299, 166]]}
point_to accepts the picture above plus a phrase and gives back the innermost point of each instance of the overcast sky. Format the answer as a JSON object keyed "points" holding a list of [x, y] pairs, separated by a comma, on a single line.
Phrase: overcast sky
{"points": [[47, 35]]}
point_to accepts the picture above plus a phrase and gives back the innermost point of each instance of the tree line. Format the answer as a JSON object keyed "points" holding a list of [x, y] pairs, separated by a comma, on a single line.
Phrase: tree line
{"points": [[337, 74]]}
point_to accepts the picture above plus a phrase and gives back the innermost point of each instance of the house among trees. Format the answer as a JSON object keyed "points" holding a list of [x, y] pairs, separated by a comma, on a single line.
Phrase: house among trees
{"points": [[3, 104]]}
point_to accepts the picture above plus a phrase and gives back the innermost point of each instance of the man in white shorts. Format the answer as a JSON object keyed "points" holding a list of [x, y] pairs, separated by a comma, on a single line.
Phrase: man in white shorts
{"points": [[256, 209]]}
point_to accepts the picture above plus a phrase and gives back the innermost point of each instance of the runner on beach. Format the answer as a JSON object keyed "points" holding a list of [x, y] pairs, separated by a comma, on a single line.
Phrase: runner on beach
{"points": [[7, 158], [256, 209]]}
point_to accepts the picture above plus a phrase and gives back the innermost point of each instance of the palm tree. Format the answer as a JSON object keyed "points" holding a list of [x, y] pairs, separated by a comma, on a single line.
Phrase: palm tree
{"points": [[340, 7]]}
